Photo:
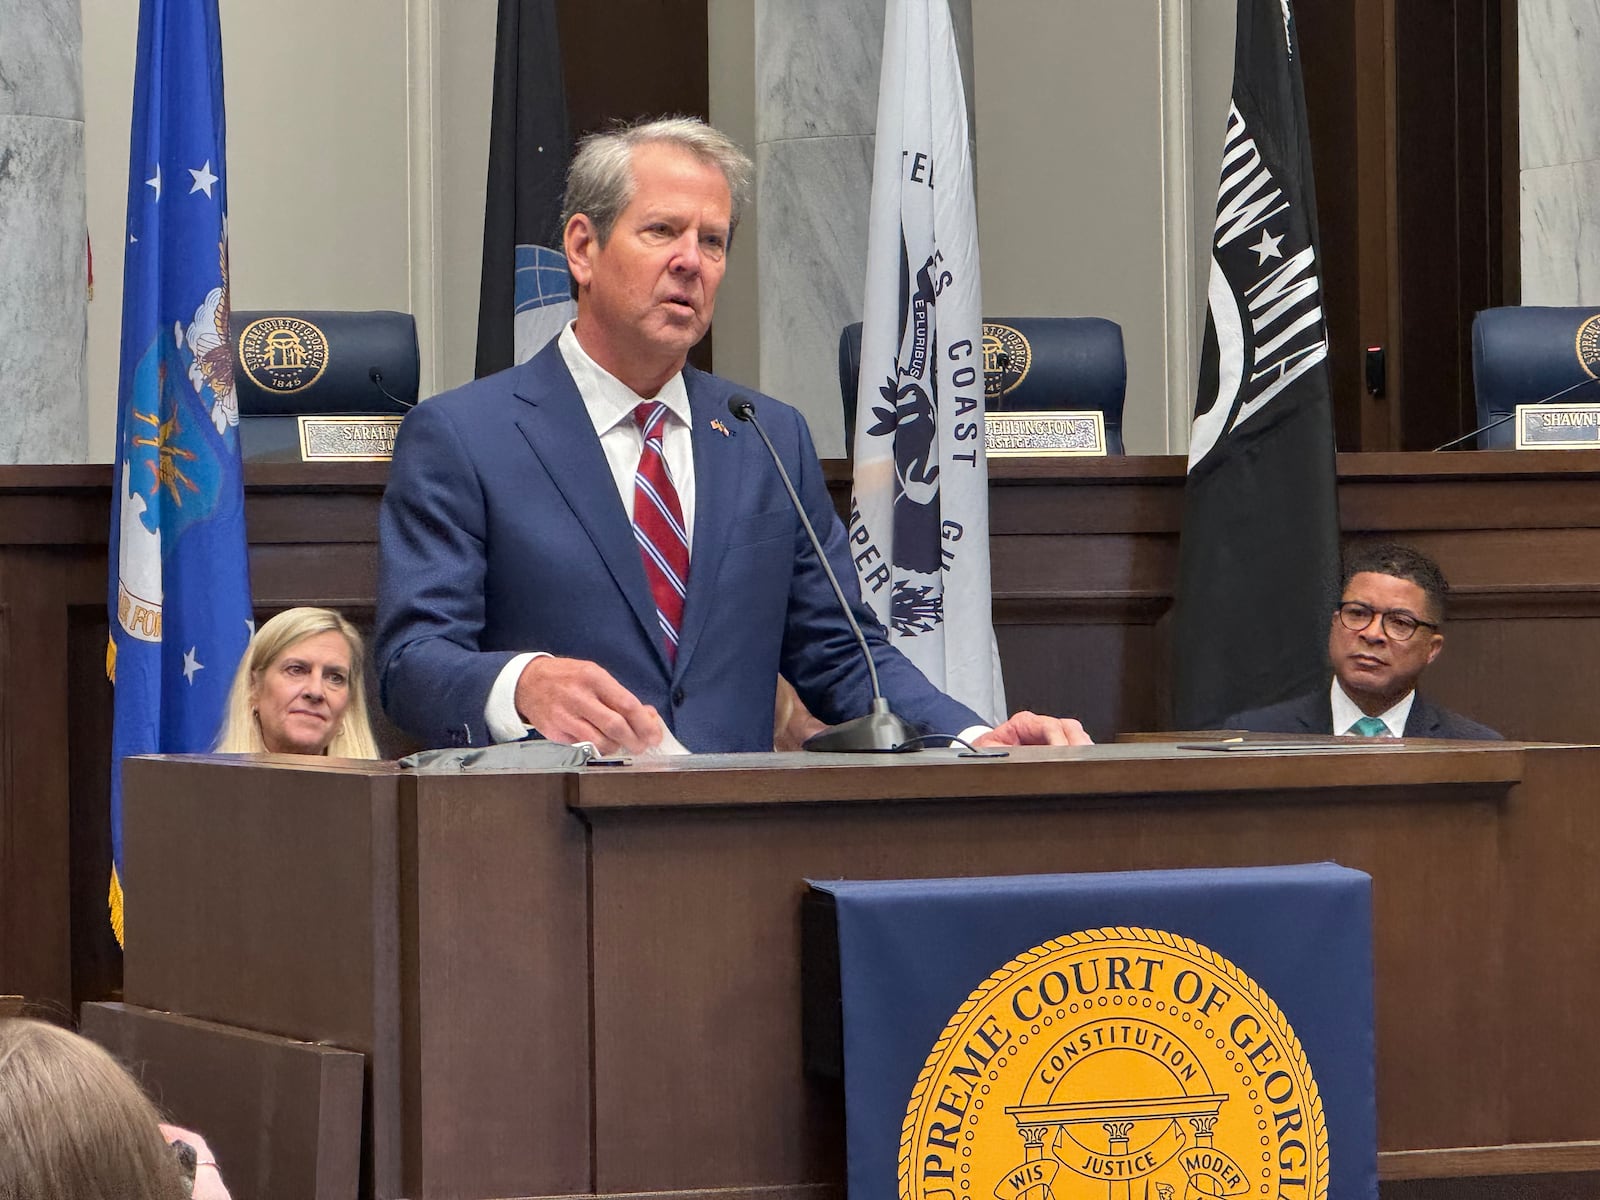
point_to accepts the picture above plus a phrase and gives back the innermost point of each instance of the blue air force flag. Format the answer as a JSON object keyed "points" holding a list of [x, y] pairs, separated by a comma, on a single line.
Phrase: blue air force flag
{"points": [[1260, 514], [179, 587], [919, 523]]}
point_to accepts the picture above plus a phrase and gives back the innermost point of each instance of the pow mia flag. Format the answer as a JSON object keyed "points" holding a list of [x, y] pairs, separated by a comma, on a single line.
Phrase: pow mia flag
{"points": [[919, 521], [1259, 551]]}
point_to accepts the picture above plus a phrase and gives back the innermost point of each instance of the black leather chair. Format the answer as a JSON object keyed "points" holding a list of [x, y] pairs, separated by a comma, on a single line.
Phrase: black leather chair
{"points": [[1522, 355], [1030, 363], [287, 364]]}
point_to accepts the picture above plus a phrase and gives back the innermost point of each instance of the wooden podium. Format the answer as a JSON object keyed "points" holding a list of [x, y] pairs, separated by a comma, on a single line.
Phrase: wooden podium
{"points": [[589, 982]]}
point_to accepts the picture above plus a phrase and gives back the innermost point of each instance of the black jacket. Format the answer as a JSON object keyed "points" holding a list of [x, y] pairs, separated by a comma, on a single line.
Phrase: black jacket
{"points": [[1313, 713]]}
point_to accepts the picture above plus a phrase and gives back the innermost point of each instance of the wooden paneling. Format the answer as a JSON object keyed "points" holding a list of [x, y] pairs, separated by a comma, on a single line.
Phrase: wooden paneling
{"points": [[281, 1117], [599, 990], [1085, 560], [1449, 169]]}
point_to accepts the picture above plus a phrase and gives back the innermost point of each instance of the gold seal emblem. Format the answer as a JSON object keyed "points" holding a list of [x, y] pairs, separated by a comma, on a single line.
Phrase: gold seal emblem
{"points": [[283, 354], [1588, 346], [1006, 359], [1131, 1064]]}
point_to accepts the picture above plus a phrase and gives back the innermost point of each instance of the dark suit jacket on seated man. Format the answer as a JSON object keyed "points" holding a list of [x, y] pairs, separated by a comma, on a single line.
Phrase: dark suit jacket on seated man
{"points": [[1384, 634], [512, 594]]}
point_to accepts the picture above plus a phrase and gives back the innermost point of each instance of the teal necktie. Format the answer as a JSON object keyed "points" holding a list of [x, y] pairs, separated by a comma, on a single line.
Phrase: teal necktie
{"points": [[1370, 727]]}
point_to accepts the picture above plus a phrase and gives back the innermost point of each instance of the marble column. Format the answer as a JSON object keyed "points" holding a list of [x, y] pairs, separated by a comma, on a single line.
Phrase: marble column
{"points": [[43, 322], [1559, 123], [816, 85]]}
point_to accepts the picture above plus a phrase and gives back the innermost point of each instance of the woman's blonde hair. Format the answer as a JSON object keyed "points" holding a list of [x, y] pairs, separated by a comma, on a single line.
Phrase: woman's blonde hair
{"points": [[241, 728], [74, 1125]]}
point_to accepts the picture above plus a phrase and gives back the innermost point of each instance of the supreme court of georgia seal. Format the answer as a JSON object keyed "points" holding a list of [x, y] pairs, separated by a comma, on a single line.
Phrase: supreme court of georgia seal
{"points": [[1129, 1064], [1588, 346], [283, 353]]}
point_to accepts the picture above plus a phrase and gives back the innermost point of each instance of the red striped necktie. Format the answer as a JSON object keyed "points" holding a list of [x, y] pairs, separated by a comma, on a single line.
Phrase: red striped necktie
{"points": [[658, 525]]}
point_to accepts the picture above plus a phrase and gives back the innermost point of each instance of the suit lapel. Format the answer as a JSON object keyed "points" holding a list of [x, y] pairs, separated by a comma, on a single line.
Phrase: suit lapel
{"points": [[718, 485], [1318, 716], [558, 429]]}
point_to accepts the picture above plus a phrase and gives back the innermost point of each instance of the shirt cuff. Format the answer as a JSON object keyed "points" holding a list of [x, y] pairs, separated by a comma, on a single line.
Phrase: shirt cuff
{"points": [[500, 713], [973, 732]]}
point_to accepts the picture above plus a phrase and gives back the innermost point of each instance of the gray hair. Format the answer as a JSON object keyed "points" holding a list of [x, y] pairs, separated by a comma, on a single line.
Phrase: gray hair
{"points": [[600, 182]]}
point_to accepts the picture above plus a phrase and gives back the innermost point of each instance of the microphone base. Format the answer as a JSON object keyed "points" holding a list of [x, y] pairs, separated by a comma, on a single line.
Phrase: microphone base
{"points": [[876, 733]]}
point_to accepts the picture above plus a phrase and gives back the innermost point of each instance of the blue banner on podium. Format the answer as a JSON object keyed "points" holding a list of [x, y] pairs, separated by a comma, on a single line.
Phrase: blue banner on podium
{"points": [[1153, 1035]]}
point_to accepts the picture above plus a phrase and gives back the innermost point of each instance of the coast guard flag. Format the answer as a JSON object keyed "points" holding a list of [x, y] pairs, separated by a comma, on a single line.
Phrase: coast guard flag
{"points": [[179, 587], [919, 524], [525, 297], [1258, 560]]}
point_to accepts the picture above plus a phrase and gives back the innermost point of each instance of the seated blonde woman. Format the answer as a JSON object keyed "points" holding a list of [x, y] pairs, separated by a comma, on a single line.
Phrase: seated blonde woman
{"points": [[75, 1126], [300, 689]]}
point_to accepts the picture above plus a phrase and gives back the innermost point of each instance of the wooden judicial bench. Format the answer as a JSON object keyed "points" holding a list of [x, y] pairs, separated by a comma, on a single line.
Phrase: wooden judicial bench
{"points": [[589, 982], [1084, 568]]}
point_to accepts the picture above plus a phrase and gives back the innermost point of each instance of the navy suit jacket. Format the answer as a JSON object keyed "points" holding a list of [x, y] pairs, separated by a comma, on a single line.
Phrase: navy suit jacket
{"points": [[501, 532], [1313, 713]]}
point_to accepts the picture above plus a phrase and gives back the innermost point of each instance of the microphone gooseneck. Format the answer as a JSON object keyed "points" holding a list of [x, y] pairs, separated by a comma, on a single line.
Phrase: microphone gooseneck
{"points": [[1499, 421], [376, 376], [880, 731]]}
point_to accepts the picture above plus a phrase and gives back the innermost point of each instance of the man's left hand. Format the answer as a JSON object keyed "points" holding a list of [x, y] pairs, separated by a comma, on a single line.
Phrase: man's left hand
{"points": [[1030, 729]]}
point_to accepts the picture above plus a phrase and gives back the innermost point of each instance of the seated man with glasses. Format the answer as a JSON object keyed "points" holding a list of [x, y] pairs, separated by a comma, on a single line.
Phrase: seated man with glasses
{"points": [[1384, 633]]}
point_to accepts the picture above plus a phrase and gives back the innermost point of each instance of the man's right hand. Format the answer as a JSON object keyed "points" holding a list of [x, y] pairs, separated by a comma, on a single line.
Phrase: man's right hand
{"points": [[575, 700]]}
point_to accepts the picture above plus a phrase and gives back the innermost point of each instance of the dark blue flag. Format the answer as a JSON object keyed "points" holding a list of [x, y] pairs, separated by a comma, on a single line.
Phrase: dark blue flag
{"points": [[1143, 1035], [526, 293], [179, 587]]}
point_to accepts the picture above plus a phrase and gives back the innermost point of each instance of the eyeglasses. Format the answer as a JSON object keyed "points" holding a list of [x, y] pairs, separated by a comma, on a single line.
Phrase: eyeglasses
{"points": [[1397, 623]]}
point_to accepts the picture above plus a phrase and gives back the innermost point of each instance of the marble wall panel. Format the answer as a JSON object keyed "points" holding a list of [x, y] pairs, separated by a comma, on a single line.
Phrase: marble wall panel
{"points": [[43, 410], [817, 68], [813, 251], [1559, 132], [1558, 86], [1561, 234], [40, 58]]}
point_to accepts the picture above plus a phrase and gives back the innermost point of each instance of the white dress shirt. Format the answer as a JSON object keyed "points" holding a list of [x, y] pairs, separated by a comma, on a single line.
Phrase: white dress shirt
{"points": [[1346, 712]]}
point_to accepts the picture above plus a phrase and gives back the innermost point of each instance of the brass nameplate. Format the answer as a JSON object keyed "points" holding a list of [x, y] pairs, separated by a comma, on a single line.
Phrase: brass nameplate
{"points": [[1558, 426], [1044, 434], [347, 439]]}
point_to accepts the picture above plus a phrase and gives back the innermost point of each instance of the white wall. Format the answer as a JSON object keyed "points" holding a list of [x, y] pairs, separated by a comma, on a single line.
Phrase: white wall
{"points": [[1070, 177], [357, 161], [464, 86]]}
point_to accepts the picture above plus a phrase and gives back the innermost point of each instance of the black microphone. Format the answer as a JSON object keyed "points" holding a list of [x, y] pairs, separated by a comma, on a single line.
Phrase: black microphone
{"points": [[377, 379], [1499, 421], [880, 731]]}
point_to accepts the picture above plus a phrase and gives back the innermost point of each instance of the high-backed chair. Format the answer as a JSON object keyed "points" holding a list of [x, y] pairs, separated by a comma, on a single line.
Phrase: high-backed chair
{"points": [[1030, 363], [288, 364], [1522, 355]]}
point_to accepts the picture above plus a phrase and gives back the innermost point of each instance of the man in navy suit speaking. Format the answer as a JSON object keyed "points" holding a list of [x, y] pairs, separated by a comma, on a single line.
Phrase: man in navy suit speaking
{"points": [[1385, 632], [590, 548]]}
